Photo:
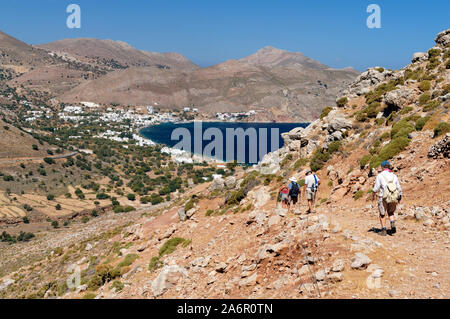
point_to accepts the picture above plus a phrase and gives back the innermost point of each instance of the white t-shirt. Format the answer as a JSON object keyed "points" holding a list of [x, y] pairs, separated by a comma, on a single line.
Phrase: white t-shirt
{"points": [[381, 182], [310, 182]]}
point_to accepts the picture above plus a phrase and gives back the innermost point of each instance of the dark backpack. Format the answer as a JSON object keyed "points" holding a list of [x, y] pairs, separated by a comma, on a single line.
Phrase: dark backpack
{"points": [[295, 190]]}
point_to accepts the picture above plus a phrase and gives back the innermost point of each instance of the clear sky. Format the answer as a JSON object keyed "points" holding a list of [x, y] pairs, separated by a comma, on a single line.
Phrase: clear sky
{"points": [[212, 31]]}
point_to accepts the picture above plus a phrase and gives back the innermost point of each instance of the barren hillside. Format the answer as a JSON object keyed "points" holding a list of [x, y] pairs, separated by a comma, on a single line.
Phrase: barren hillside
{"points": [[116, 54], [288, 86], [233, 240]]}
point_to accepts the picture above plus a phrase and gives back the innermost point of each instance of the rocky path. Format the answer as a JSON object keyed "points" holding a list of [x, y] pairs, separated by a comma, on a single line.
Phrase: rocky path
{"points": [[415, 260]]}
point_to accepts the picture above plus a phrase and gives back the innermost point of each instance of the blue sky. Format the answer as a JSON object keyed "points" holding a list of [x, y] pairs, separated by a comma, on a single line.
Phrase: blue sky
{"points": [[212, 31]]}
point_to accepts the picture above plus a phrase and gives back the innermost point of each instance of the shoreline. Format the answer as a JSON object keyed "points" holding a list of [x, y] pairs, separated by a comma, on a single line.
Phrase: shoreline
{"points": [[181, 155]]}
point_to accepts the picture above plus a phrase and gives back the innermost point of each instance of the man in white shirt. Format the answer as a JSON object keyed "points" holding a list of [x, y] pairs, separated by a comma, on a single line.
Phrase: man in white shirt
{"points": [[312, 183], [384, 208]]}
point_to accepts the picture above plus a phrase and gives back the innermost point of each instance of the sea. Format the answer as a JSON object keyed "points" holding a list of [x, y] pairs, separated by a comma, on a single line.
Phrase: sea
{"points": [[244, 142]]}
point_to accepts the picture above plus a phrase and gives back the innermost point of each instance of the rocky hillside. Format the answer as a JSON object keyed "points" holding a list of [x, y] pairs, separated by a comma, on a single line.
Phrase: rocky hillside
{"points": [[286, 86], [233, 240], [115, 54], [282, 85]]}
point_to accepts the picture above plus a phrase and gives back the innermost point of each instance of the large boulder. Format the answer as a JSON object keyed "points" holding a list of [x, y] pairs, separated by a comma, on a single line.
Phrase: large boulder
{"points": [[297, 134], [338, 124], [366, 80], [218, 184], [443, 38], [230, 182], [419, 57], [400, 97]]}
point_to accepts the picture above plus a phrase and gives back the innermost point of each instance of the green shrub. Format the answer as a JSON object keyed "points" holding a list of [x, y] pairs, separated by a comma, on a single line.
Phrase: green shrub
{"points": [[123, 209], [117, 286], [390, 150], [433, 63], [342, 102], [364, 160], [380, 121], [128, 260], [441, 129], [102, 196], [334, 147], [171, 245], [358, 195], [433, 53], [405, 110], [89, 295], [209, 212], [49, 160], [424, 85], [401, 128], [58, 207], [131, 197], [318, 160], [447, 65], [55, 224], [235, 197], [361, 116], [85, 219], [446, 89], [325, 112], [420, 123], [154, 264], [372, 110], [424, 98], [431, 106], [190, 204], [300, 163], [381, 70]]}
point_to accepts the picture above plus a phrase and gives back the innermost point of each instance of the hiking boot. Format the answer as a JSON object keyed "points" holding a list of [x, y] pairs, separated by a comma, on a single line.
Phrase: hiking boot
{"points": [[383, 232], [393, 228]]}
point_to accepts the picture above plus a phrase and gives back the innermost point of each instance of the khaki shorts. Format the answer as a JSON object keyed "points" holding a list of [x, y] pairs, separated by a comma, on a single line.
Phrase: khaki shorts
{"points": [[310, 195], [384, 207]]}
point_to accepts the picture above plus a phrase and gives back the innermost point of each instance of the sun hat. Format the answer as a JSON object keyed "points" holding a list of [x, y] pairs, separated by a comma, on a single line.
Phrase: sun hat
{"points": [[293, 179]]}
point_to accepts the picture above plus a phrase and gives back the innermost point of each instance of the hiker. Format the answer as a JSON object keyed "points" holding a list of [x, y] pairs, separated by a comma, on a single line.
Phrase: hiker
{"points": [[389, 195], [284, 194], [294, 192], [312, 183]]}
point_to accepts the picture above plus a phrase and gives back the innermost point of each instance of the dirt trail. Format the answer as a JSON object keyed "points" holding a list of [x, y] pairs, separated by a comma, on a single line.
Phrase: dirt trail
{"points": [[416, 259]]}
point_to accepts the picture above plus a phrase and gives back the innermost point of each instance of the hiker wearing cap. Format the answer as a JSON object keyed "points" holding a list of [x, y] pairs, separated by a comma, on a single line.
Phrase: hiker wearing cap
{"points": [[312, 183], [389, 195], [294, 191]]}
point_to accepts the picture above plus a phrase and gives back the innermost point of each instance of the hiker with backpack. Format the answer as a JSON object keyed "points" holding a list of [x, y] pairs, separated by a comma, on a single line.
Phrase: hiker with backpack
{"points": [[312, 183], [389, 195], [284, 196], [294, 192]]}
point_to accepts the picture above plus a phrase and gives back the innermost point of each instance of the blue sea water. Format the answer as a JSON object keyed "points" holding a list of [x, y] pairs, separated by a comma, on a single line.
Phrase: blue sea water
{"points": [[266, 141]]}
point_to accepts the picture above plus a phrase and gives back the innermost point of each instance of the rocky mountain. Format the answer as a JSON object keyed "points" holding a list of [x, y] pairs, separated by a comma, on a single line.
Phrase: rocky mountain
{"points": [[232, 239], [284, 86], [115, 54]]}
